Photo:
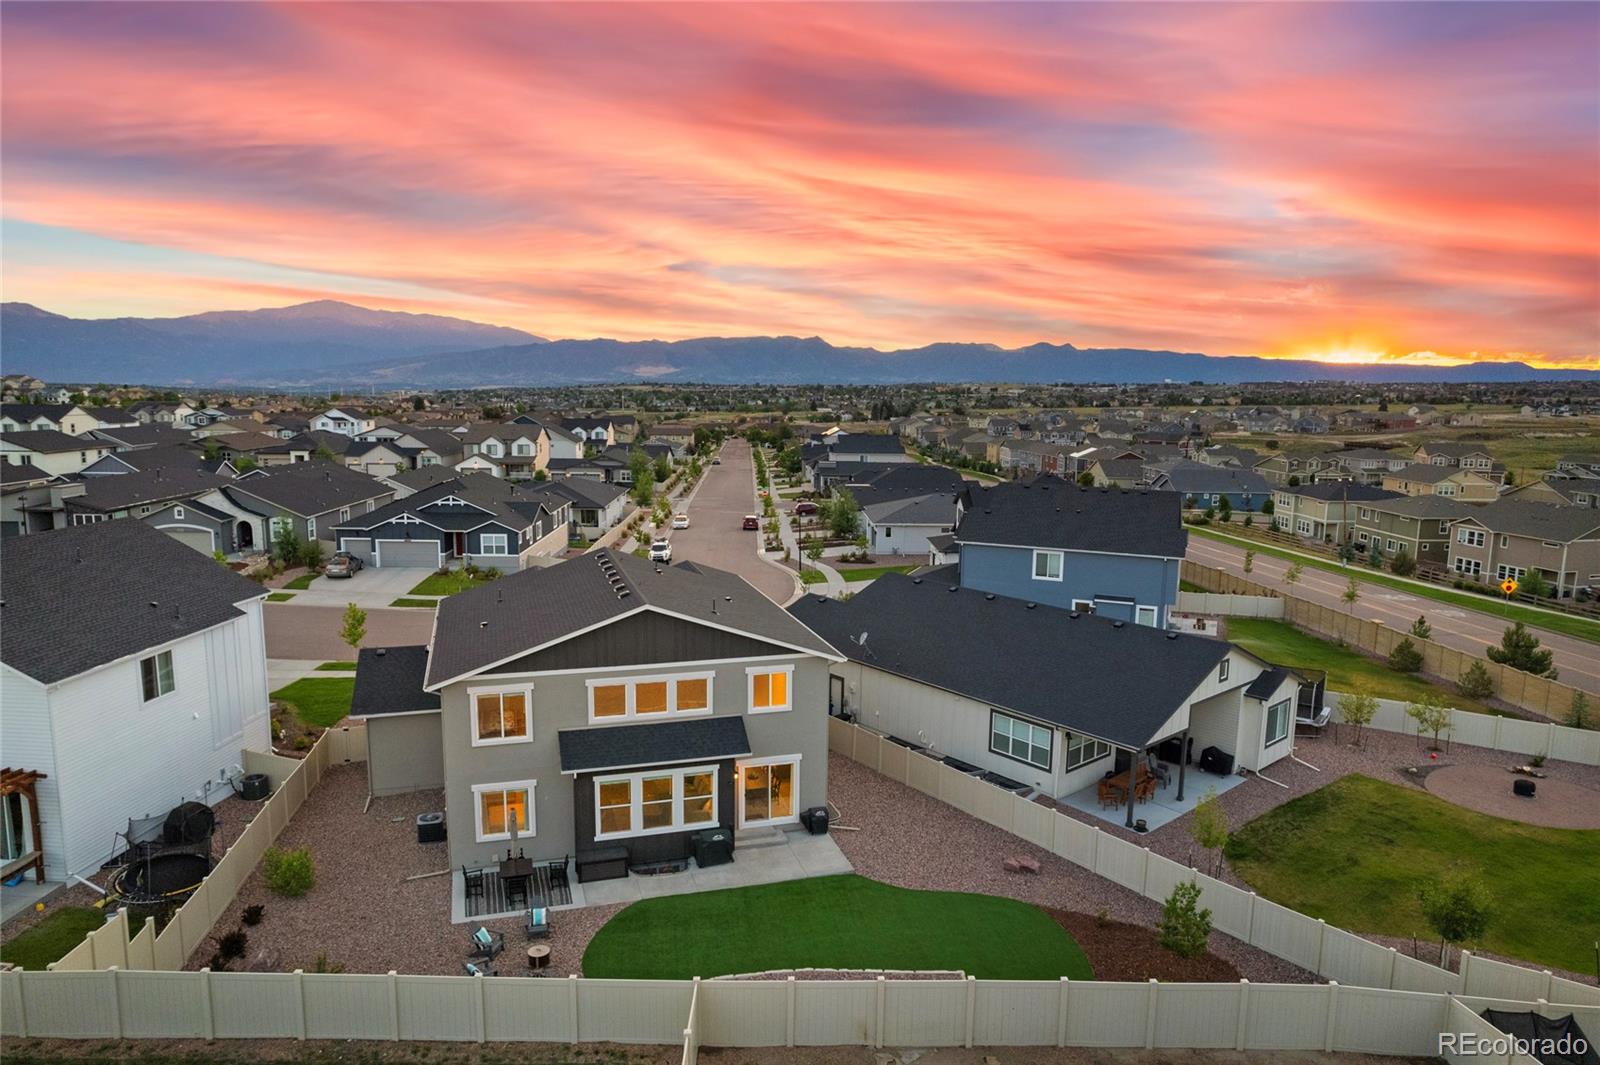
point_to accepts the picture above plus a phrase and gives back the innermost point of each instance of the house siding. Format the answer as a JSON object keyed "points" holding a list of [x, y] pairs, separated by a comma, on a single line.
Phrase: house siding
{"points": [[30, 744], [404, 753], [1009, 571]]}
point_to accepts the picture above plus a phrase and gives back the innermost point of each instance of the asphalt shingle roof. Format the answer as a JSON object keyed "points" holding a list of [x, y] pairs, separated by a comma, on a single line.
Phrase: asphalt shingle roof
{"points": [[918, 510], [389, 681], [491, 499], [1123, 682], [511, 616], [308, 488], [52, 441], [1333, 490], [585, 750], [148, 589], [1547, 521], [116, 491], [21, 473], [1050, 512]]}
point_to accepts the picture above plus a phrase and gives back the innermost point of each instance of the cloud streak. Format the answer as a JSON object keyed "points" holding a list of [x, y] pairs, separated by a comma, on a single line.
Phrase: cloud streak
{"points": [[1236, 179]]}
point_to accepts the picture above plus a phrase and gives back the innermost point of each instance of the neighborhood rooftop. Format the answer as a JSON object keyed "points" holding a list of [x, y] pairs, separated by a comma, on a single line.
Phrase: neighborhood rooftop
{"points": [[389, 681], [1049, 512]]}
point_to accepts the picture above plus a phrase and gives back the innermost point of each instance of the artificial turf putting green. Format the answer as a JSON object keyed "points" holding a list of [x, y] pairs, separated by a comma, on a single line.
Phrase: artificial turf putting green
{"points": [[846, 922]]}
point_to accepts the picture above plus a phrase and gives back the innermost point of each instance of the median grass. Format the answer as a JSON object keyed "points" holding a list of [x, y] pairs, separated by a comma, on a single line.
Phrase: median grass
{"points": [[301, 583], [868, 573], [1551, 621], [1285, 645], [53, 937], [420, 604], [279, 597], [336, 667], [1355, 852], [846, 922], [320, 701]]}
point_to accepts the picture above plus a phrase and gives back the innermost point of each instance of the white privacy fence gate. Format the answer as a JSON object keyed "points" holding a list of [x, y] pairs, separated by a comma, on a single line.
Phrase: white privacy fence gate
{"points": [[1313, 945]]}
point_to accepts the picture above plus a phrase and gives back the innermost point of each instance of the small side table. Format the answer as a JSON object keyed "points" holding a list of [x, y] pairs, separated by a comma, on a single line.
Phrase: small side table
{"points": [[539, 956]]}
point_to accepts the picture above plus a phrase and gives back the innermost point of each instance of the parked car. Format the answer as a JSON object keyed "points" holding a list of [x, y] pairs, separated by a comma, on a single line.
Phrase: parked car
{"points": [[681, 521], [805, 506], [661, 551], [716, 462], [342, 564], [751, 523]]}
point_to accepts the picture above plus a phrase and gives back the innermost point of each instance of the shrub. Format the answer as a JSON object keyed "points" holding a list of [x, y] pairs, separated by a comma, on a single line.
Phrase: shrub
{"points": [[1476, 682], [1421, 629], [323, 965], [252, 915], [1578, 715], [1520, 649], [289, 873], [1405, 658], [232, 945], [1402, 565], [1184, 927], [1358, 708], [217, 964]]}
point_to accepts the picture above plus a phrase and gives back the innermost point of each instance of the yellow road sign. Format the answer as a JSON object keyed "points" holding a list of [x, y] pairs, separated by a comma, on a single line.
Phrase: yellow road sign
{"points": [[1508, 586]]}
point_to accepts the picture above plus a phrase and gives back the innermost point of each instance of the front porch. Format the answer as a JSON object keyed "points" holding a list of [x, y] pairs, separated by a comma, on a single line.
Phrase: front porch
{"points": [[1161, 807]]}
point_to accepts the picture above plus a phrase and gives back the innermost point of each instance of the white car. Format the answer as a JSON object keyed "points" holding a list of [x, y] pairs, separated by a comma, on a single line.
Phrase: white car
{"points": [[661, 551], [681, 521]]}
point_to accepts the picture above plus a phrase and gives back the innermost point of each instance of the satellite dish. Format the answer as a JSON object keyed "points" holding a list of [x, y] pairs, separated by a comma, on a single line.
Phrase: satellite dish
{"points": [[863, 638]]}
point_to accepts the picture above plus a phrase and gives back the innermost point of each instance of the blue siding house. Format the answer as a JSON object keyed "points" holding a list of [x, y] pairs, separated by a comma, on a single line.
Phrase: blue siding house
{"points": [[1115, 552], [472, 517]]}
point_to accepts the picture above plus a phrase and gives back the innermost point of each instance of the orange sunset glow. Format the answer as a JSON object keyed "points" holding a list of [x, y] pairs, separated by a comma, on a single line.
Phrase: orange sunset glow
{"points": [[1359, 183]]}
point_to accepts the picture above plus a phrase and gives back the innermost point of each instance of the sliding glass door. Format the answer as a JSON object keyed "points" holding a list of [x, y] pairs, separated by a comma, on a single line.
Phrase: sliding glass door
{"points": [[768, 792]]}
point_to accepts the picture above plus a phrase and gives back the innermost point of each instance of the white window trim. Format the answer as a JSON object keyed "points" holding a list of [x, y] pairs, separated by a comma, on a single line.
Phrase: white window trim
{"points": [[631, 683], [311, 528], [524, 690], [177, 513], [172, 667], [502, 541], [1050, 740], [750, 689], [1061, 564], [1097, 749], [1142, 612], [776, 759], [1222, 670], [636, 801], [504, 785], [1083, 606], [1288, 718]]}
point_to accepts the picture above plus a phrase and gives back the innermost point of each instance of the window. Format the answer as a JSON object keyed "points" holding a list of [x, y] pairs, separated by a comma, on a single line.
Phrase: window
{"points": [[311, 528], [654, 801], [1147, 616], [1222, 670], [769, 689], [1514, 572], [492, 544], [1444, 490], [1047, 565], [1017, 739], [344, 513], [1444, 527], [504, 810], [1366, 515], [500, 716], [1081, 750], [177, 513], [1391, 544], [1471, 537], [492, 448], [888, 532], [647, 697], [1303, 527], [155, 675], [1277, 722], [522, 447], [1470, 566]]}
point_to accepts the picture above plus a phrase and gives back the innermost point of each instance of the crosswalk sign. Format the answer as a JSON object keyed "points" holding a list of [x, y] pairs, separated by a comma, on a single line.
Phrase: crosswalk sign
{"points": [[1508, 586]]}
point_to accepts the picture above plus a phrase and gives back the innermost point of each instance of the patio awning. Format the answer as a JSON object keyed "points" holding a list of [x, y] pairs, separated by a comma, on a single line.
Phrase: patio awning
{"points": [[612, 747]]}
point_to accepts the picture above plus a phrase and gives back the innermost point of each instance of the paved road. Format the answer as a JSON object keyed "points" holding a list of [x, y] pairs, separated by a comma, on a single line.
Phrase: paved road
{"points": [[1466, 630], [307, 632], [725, 495]]}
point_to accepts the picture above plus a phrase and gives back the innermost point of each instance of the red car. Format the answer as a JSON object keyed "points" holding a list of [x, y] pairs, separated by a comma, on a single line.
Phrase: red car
{"points": [[805, 506], [751, 523]]}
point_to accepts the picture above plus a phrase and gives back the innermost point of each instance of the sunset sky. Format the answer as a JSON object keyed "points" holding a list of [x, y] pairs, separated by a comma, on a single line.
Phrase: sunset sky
{"points": [[1355, 181]]}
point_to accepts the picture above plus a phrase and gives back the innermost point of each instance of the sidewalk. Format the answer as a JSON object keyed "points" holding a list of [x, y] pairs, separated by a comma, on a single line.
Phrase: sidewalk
{"points": [[833, 584]]}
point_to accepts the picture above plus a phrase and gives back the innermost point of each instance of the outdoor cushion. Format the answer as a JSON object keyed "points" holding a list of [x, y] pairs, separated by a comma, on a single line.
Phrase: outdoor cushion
{"points": [[482, 937], [536, 916]]}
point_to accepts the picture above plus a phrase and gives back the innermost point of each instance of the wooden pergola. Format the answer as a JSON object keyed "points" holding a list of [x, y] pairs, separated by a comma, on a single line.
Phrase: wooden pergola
{"points": [[25, 782]]}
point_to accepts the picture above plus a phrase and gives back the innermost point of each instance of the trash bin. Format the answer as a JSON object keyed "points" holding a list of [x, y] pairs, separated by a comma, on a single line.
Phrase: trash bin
{"points": [[430, 828], [714, 846], [255, 787], [815, 820]]}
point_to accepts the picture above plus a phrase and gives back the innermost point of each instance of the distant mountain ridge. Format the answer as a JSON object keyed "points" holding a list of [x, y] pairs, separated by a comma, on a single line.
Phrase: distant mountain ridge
{"points": [[327, 343]]}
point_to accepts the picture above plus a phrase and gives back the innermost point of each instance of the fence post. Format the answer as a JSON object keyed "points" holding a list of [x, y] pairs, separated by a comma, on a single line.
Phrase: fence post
{"points": [[1333, 1016], [477, 998], [1150, 1015], [394, 1006], [1144, 874], [116, 1001], [788, 1031], [1322, 942], [1549, 985], [572, 1004], [1250, 925], [208, 1020], [972, 1006], [877, 1028], [1094, 850], [300, 1004], [1241, 1024], [1393, 954], [1466, 966], [1497, 732], [1061, 1013]]}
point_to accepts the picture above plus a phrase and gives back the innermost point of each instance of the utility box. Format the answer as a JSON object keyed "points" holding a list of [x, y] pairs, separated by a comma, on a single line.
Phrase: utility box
{"points": [[430, 828]]}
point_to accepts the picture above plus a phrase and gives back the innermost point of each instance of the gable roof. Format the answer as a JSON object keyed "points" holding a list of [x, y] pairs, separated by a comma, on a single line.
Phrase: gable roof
{"points": [[905, 481], [1546, 521], [860, 443], [389, 681], [487, 498], [149, 589], [139, 437], [1428, 506], [1050, 512], [584, 491], [1197, 477], [21, 473], [53, 441], [1134, 677], [934, 509], [27, 412], [1428, 473], [308, 488], [1333, 491], [522, 612], [152, 485]]}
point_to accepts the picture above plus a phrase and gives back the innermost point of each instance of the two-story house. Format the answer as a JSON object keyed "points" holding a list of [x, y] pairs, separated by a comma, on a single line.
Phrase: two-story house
{"points": [[1417, 525], [1324, 511], [1367, 465], [471, 517], [1508, 539], [66, 418], [1108, 551], [607, 709], [513, 452], [1201, 485], [1467, 456], [596, 507], [52, 451], [133, 673], [1438, 479], [346, 421]]}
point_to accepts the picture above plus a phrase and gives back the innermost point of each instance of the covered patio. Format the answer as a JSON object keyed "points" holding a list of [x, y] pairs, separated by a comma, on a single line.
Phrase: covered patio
{"points": [[1160, 804]]}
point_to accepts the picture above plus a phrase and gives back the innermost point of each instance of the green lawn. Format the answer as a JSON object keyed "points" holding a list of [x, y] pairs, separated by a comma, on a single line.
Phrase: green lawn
{"points": [[1189, 586], [53, 937], [321, 701], [1354, 852], [1282, 643], [336, 667], [446, 583], [421, 604], [867, 573], [812, 576], [279, 597], [302, 582], [1568, 624], [846, 922]]}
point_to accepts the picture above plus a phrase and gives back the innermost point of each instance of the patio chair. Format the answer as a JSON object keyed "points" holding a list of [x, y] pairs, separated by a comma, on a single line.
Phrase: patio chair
{"points": [[538, 923], [1316, 724], [473, 880], [473, 970], [1145, 789], [1158, 770], [1109, 793], [486, 944], [556, 871], [516, 892]]}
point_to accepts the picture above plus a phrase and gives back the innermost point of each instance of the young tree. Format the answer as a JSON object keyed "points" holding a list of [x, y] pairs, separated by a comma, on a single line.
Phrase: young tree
{"points": [[663, 468], [1086, 479], [1457, 907], [1249, 561], [354, 628], [1184, 927], [1421, 629], [1430, 714], [1351, 593], [1225, 509], [287, 544], [1519, 649], [1347, 552], [1534, 584], [1291, 576], [1578, 715], [1476, 682], [1404, 657], [1358, 707], [1402, 564], [644, 477], [814, 552], [1209, 828], [1374, 554], [843, 515]]}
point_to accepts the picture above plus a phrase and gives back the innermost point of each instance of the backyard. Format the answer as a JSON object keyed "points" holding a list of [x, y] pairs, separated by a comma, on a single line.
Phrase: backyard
{"points": [[1355, 852], [845, 922], [52, 937], [1281, 643]]}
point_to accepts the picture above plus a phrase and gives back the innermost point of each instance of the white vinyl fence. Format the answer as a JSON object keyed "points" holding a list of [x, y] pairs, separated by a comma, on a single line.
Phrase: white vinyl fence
{"points": [[1238, 606], [1513, 735], [1313, 945]]}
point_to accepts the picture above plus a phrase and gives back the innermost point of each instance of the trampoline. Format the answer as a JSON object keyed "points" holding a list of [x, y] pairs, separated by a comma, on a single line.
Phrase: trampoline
{"points": [[166, 860]]}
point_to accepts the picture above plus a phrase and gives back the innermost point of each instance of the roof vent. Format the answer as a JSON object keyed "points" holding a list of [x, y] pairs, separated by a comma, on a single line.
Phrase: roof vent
{"points": [[1118, 624], [154, 605], [1075, 614], [989, 595], [954, 587], [916, 580], [380, 652], [483, 624], [1032, 605], [1172, 636], [624, 594]]}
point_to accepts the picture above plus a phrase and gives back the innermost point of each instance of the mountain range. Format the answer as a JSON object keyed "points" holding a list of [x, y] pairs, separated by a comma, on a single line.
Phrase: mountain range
{"points": [[327, 343]]}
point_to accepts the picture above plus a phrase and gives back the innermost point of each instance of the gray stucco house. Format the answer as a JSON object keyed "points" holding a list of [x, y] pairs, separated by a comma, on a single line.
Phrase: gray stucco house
{"points": [[1113, 552], [308, 497], [604, 710]]}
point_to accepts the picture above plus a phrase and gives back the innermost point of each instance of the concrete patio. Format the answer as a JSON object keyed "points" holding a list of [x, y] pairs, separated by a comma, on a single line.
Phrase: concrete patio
{"points": [[1164, 806]]}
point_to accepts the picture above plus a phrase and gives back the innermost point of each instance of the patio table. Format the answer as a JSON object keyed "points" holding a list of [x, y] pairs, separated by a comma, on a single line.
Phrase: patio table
{"points": [[538, 956], [514, 868]]}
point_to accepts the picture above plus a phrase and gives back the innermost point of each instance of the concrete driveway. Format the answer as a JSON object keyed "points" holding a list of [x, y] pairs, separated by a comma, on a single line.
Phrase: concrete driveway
{"points": [[369, 588], [725, 495]]}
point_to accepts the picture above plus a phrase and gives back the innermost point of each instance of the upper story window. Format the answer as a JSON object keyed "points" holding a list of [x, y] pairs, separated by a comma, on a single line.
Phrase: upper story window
{"points": [[650, 697], [155, 675], [501, 716], [770, 689], [1047, 565], [491, 447], [1470, 537], [522, 447], [1222, 671]]}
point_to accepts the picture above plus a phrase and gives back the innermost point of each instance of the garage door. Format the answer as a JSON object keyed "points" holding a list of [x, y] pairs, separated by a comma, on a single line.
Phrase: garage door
{"points": [[408, 553], [359, 546], [198, 539]]}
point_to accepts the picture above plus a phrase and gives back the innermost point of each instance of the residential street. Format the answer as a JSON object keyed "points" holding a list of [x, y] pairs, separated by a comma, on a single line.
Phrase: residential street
{"points": [[726, 494], [307, 632], [1453, 626]]}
